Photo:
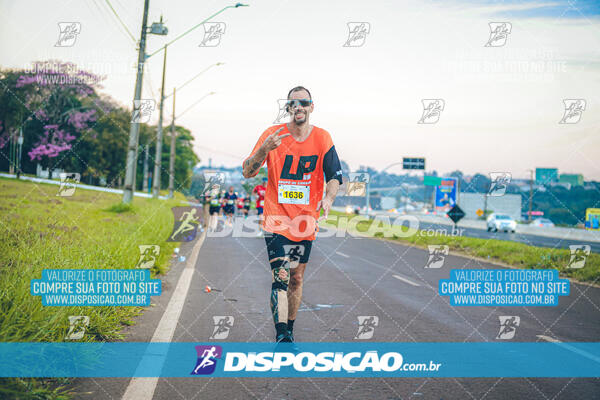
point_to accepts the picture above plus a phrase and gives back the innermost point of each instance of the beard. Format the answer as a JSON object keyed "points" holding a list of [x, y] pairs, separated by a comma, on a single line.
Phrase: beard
{"points": [[301, 121]]}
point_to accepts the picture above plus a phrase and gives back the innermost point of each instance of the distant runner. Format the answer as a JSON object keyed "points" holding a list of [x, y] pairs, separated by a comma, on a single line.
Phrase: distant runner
{"points": [[246, 206], [230, 199], [240, 205], [215, 205], [259, 191]]}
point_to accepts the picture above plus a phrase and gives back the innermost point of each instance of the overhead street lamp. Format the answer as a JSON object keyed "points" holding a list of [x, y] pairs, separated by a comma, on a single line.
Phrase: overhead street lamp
{"points": [[159, 134], [157, 28], [173, 137], [198, 25], [195, 76], [131, 163]]}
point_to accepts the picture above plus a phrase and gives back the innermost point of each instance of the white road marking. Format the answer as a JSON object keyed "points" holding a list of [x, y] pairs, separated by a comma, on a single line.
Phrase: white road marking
{"points": [[143, 388], [410, 282], [570, 348], [342, 254], [405, 280], [548, 339]]}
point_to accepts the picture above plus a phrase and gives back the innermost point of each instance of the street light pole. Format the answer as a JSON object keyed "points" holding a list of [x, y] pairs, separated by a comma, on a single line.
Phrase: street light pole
{"points": [[173, 142], [135, 126], [530, 194], [145, 178], [159, 134], [172, 155], [200, 24]]}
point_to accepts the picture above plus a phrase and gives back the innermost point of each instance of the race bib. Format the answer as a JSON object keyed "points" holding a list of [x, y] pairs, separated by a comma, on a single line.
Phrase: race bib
{"points": [[261, 203], [229, 202], [293, 194], [214, 202]]}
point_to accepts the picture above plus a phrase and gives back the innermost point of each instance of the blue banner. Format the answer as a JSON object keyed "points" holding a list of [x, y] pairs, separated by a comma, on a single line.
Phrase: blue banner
{"points": [[503, 287], [340, 359], [95, 287]]}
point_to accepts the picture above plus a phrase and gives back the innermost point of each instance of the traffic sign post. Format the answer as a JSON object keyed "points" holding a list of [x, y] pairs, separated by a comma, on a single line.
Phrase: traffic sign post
{"points": [[413, 163], [455, 214], [432, 180]]}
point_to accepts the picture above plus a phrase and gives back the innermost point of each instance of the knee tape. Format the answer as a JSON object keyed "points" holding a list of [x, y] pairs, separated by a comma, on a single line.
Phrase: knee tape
{"points": [[278, 283]]}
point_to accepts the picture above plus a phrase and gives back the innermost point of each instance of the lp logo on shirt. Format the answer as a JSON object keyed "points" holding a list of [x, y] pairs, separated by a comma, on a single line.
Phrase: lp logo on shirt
{"points": [[301, 169]]}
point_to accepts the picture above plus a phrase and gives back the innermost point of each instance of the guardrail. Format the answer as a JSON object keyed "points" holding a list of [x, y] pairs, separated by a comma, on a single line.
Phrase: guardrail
{"points": [[79, 185], [554, 232]]}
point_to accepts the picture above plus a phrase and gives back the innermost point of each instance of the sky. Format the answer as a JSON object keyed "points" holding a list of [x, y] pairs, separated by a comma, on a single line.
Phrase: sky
{"points": [[502, 103]]}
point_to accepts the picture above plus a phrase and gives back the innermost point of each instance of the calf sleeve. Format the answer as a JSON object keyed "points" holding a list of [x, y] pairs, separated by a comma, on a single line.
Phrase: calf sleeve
{"points": [[279, 287]]}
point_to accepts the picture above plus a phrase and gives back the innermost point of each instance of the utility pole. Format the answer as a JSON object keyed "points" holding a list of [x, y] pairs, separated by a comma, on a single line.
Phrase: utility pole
{"points": [[19, 151], [485, 200], [159, 134], [424, 192], [135, 126], [530, 193], [145, 179], [172, 157], [368, 199], [406, 199]]}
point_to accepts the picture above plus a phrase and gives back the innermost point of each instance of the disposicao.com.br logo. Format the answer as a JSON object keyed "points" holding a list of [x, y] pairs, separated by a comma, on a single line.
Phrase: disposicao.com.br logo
{"points": [[313, 362]]}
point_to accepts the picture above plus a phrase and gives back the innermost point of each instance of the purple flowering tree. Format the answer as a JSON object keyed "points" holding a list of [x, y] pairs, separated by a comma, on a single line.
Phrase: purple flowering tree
{"points": [[60, 100]]}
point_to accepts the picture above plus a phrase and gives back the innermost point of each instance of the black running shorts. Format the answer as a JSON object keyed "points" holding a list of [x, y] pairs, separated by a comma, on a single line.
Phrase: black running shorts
{"points": [[280, 246]]}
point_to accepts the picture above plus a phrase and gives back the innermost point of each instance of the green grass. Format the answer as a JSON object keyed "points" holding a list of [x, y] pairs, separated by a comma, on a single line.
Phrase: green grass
{"points": [[91, 229], [512, 253], [120, 208]]}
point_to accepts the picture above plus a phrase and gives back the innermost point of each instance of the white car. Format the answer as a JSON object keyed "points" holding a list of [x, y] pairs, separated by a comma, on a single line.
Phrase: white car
{"points": [[501, 222], [543, 223]]}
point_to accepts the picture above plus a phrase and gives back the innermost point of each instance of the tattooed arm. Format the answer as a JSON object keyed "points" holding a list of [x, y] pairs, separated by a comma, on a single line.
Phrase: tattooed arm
{"points": [[252, 164]]}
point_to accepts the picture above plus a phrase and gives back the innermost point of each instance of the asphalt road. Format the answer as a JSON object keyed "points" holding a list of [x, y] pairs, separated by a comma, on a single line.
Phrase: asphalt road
{"points": [[532, 240], [346, 278]]}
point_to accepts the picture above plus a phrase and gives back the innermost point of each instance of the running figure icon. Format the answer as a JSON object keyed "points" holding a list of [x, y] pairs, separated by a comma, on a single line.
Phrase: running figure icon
{"points": [[207, 359], [189, 222]]}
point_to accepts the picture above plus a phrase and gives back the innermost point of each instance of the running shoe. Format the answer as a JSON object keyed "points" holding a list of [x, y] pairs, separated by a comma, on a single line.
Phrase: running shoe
{"points": [[283, 338]]}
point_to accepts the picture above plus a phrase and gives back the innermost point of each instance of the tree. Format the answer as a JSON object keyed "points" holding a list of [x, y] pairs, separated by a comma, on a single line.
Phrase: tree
{"points": [[249, 184], [479, 184], [185, 159], [345, 167], [61, 100], [67, 124]]}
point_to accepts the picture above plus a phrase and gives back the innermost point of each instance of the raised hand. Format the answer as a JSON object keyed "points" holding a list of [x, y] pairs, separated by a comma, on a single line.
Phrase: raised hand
{"points": [[273, 141]]}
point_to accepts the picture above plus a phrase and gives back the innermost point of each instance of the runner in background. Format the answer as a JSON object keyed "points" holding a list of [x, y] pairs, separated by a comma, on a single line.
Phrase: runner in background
{"points": [[246, 205], [259, 191], [222, 202], [230, 199], [214, 207], [240, 205]]}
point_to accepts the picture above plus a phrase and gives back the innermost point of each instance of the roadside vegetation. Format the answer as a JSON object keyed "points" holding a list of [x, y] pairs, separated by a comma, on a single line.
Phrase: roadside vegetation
{"points": [[512, 253], [91, 229]]}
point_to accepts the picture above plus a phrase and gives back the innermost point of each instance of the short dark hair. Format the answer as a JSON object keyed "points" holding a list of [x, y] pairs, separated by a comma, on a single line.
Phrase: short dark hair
{"points": [[297, 89]]}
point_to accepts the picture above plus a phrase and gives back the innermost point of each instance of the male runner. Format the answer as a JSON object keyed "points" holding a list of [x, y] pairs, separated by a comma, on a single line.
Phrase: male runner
{"points": [[215, 205], [246, 205], [259, 191], [299, 158], [240, 205], [230, 198]]}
